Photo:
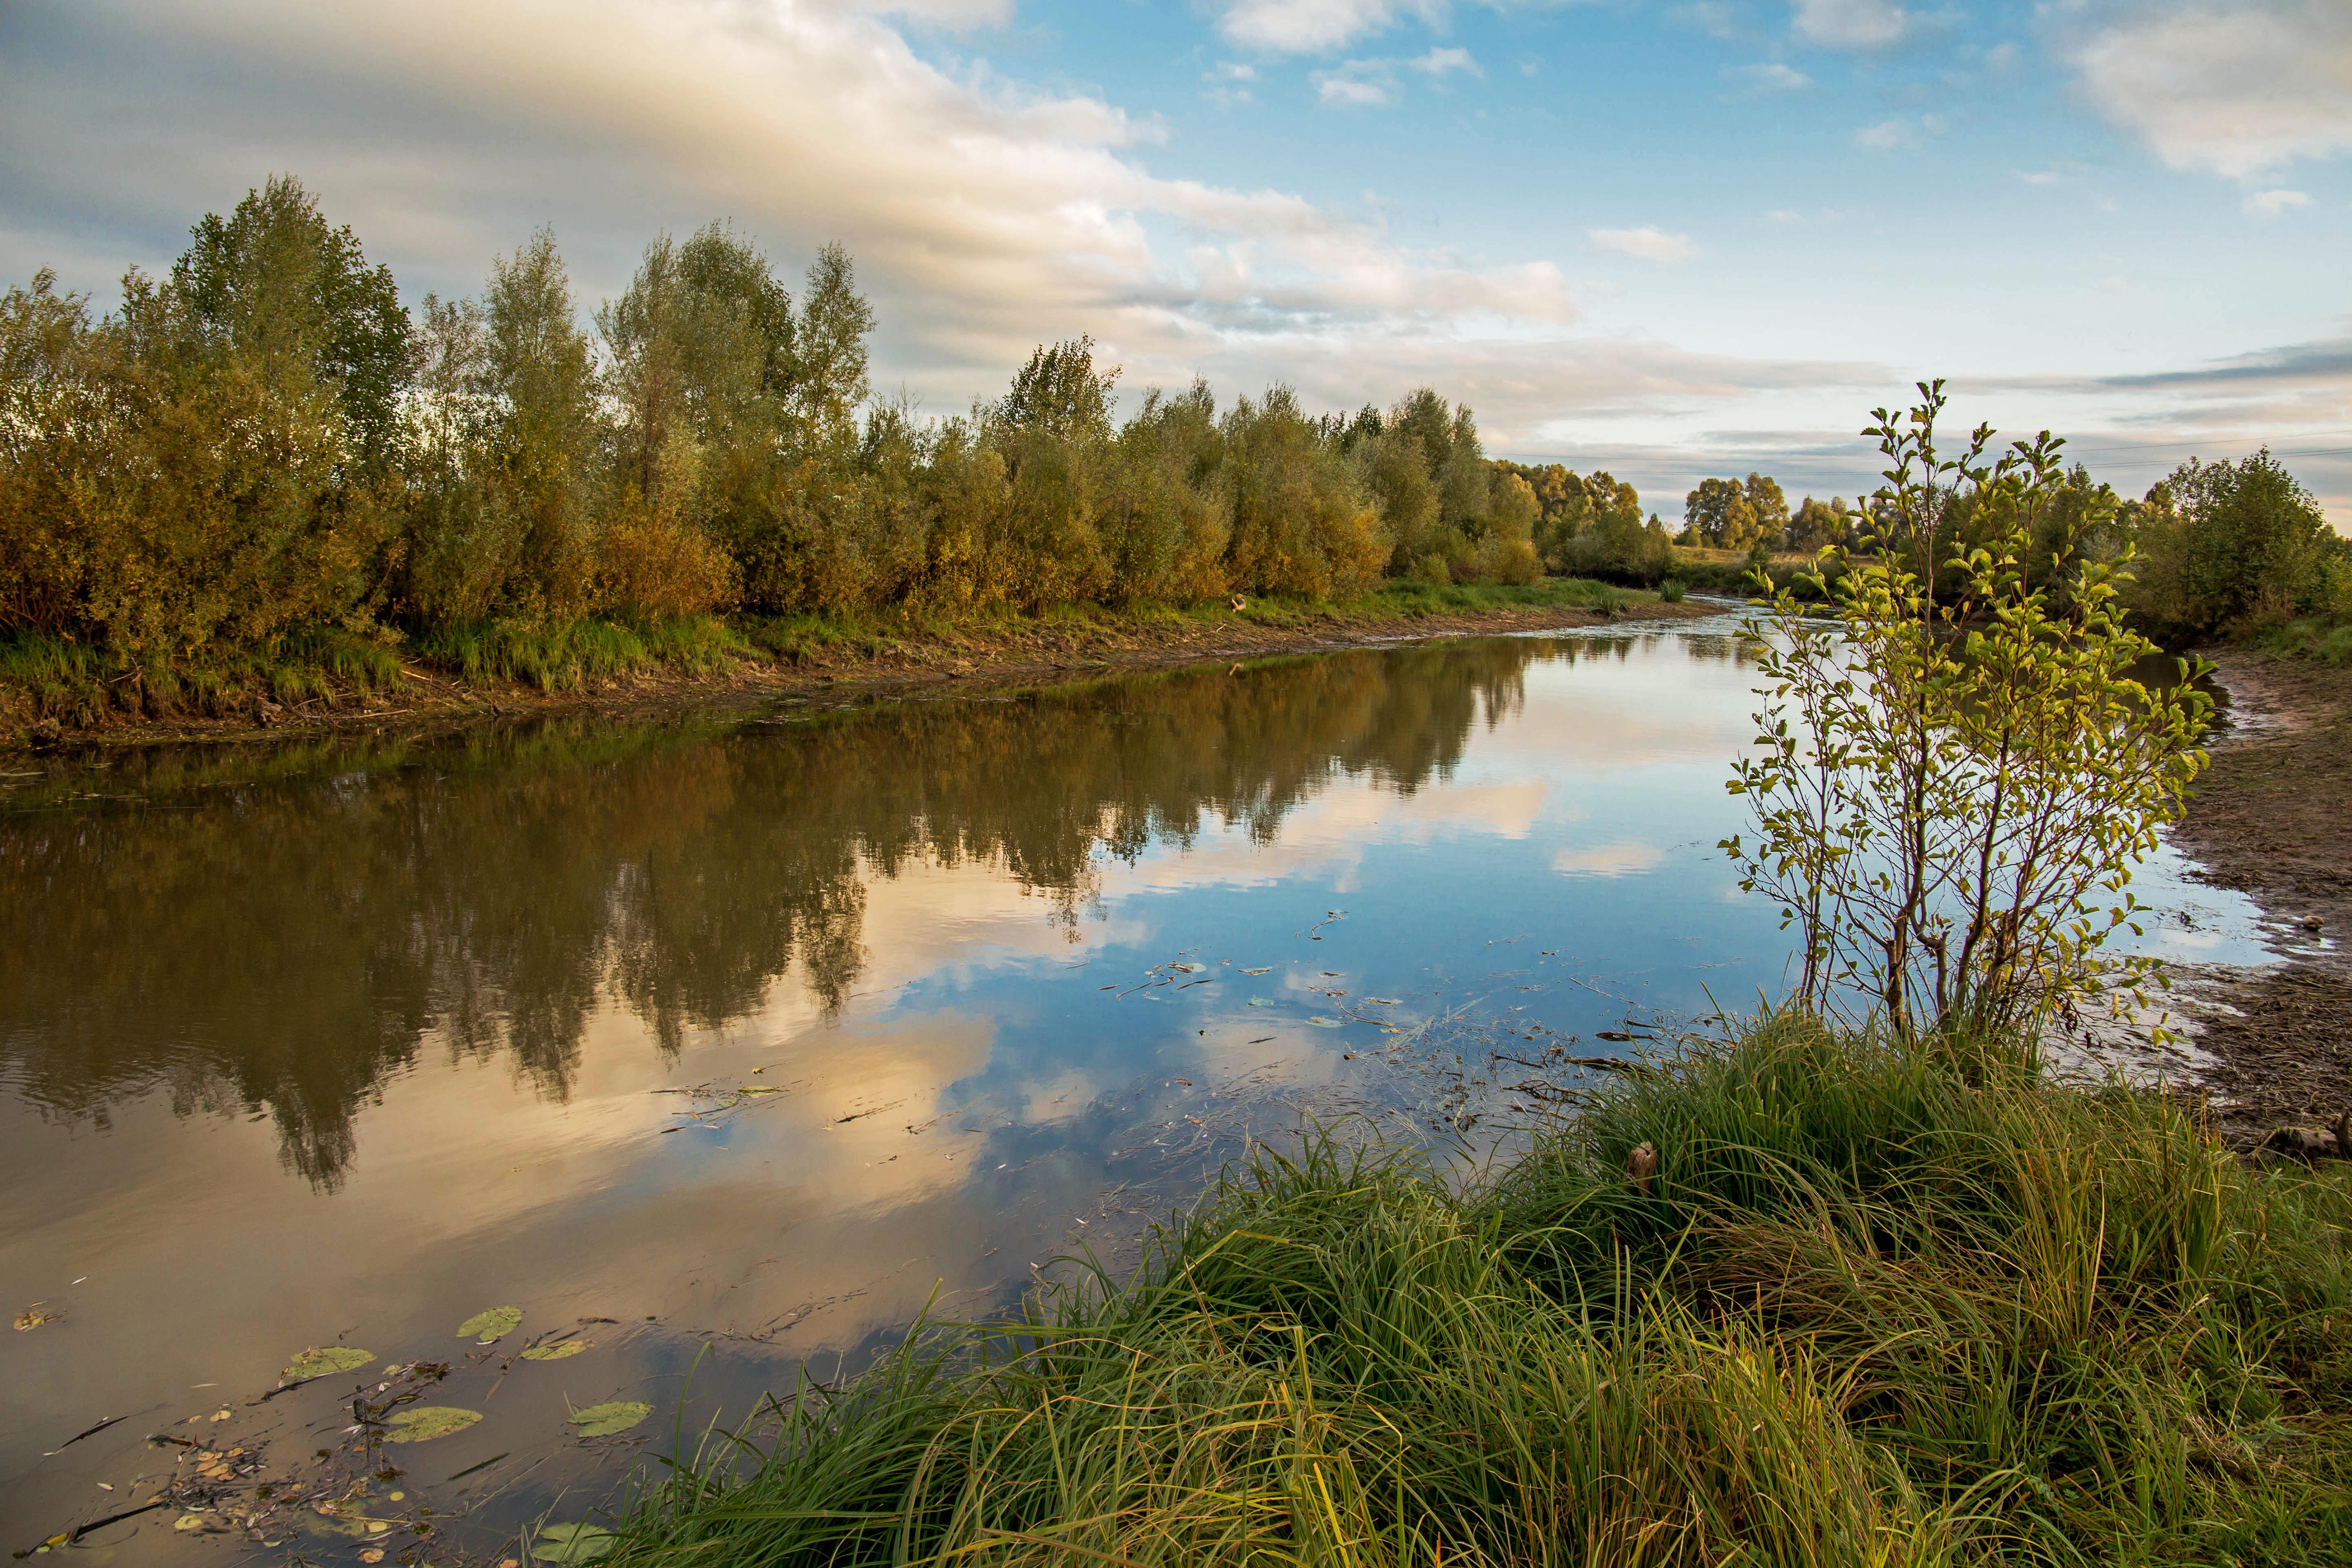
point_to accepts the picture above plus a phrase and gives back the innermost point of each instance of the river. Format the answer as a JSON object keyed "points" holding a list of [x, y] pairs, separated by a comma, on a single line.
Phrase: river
{"points": [[721, 1045]]}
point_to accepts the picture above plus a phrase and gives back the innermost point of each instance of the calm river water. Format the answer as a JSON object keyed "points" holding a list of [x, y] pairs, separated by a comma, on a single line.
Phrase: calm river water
{"points": [[721, 1045]]}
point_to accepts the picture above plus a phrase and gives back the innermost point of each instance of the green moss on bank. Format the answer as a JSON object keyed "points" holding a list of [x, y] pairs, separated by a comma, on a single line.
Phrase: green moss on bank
{"points": [[1875, 1307]]}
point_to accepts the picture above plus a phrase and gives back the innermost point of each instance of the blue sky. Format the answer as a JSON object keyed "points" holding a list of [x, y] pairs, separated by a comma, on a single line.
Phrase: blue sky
{"points": [[1668, 239]]}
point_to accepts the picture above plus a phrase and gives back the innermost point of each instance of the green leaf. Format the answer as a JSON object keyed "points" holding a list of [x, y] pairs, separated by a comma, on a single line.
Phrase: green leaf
{"points": [[486, 1328], [426, 1422], [603, 1420], [555, 1352], [573, 1543], [318, 1362]]}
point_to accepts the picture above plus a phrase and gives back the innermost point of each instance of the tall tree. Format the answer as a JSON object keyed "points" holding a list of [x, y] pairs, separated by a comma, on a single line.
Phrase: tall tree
{"points": [[272, 279]]}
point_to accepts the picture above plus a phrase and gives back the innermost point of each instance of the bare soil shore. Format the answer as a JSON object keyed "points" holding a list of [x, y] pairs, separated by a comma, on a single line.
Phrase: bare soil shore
{"points": [[2272, 818], [978, 659]]}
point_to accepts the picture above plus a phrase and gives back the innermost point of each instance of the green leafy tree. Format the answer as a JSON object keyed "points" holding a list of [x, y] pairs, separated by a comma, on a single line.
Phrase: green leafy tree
{"points": [[1769, 507], [2232, 546], [1951, 795], [273, 280], [1720, 514]]}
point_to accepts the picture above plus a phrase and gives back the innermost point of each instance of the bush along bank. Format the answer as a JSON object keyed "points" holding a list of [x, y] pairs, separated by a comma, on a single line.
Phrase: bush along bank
{"points": [[1795, 1296]]}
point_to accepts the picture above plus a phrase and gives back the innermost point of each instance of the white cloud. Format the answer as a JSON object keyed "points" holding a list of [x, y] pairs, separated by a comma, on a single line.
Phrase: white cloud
{"points": [[2052, 175], [1887, 136], [2235, 89], [1851, 24], [2272, 204], [1303, 27], [1712, 18], [1773, 77], [1358, 84], [1309, 27], [1231, 70], [958, 15], [1648, 242], [984, 215], [1437, 62]]}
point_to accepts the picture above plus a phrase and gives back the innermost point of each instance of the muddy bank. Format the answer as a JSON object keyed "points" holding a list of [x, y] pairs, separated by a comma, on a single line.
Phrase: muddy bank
{"points": [[2272, 818], [979, 657]]}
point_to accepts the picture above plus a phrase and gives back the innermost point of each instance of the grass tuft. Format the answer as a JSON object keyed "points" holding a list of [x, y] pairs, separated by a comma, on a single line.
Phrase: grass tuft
{"points": [[1876, 1307]]}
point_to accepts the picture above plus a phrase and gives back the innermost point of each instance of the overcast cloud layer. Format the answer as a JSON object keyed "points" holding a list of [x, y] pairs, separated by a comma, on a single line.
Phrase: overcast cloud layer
{"points": [[1673, 241]]}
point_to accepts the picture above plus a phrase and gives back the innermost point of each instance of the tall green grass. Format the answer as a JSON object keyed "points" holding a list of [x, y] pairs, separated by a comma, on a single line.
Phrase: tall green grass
{"points": [[77, 684], [562, 655], [2318, 637], [1875, 1307]]}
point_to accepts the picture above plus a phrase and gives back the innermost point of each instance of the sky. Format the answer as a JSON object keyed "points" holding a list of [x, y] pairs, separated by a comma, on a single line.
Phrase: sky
{"points": [[1665, 240]]}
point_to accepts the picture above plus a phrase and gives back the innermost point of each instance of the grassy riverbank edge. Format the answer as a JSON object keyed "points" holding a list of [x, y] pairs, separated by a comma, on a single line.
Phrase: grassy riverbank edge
{"points": [[1788, 1296], [53, 693]]}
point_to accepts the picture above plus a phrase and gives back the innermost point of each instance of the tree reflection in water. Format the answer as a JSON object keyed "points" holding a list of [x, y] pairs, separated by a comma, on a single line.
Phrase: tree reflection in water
{"points": [[279, 937]]}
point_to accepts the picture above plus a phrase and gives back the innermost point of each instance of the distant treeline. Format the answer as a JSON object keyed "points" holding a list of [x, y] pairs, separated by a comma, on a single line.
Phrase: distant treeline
{"points": [[265, 444], [2221, 549]]}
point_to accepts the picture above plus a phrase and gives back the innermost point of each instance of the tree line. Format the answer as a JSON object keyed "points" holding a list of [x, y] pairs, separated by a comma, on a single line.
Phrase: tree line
{"points": [[264, 445], [2218, 549]]}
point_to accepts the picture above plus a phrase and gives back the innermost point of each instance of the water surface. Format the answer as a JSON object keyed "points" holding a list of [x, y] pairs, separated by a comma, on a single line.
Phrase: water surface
{"points": [[722, 1045]]}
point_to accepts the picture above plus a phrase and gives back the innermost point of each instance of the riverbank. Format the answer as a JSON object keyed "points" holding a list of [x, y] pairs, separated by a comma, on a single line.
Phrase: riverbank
{"points": [[1786, 1297], [2272, 818], [747, 662]]}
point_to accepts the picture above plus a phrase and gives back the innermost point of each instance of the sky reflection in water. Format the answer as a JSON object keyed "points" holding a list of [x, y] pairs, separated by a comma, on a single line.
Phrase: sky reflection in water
{"points": [[399, 1030]]}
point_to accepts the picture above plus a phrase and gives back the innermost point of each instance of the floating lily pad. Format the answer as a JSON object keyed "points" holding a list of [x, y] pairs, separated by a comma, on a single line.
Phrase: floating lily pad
{"points": [[189, 1521], [426, 1422], [320, 1361], [573, 1543], [603, 1420], [555, 1352], [1322, 1023], [487, 1327]]}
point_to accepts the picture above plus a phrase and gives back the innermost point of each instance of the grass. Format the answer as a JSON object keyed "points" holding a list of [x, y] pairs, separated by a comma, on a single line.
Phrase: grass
{"points": [[2325, 639], [74, 683], [82, 687], [563, 656], [1876, 1307]]}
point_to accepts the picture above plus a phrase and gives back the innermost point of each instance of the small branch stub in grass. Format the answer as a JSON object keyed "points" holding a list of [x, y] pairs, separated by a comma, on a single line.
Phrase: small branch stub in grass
{"points": [[1640, 1166]]}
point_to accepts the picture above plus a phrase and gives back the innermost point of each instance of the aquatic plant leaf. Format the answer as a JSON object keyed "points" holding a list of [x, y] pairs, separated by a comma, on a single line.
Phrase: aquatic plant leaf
{"points": [[1260, 1002], [426, 1422], [1387, 1001], [320, 1360], [1267, 969], [603, 1420], [573, 1543], [1186, 968], [484, 1328], [555, 1352], [1322, 1023]]}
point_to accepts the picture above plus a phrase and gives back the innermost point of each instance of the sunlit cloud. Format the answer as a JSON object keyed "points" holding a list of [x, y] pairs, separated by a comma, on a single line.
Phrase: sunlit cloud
{"points": [[2234, 89], [1648, 242]]}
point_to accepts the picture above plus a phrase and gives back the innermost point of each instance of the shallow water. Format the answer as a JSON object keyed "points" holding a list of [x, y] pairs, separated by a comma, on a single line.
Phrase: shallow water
{"points": [[726, 1045]]}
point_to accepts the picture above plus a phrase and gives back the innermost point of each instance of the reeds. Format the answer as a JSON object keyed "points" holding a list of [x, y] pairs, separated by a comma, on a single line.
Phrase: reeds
{"points": [[1876, 1307]]}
